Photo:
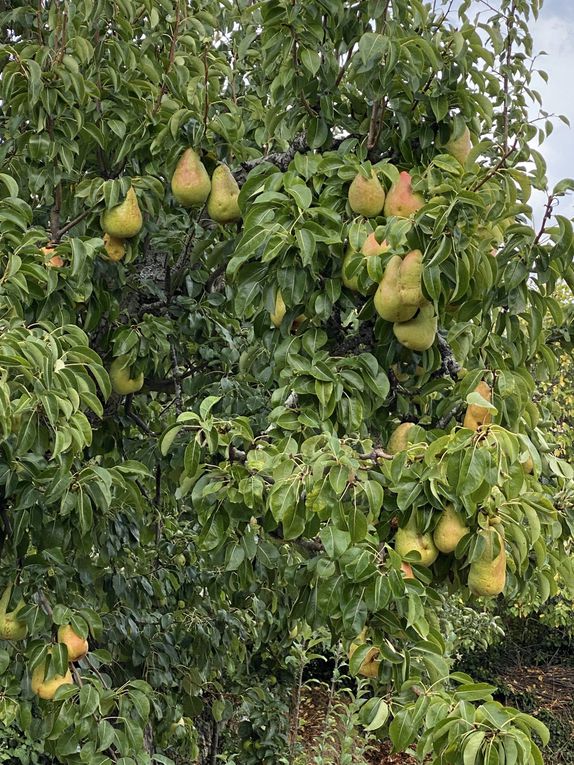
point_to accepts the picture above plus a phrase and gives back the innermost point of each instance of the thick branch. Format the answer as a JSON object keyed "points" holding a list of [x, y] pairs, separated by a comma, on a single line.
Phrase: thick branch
{"points": [[449, 364]]}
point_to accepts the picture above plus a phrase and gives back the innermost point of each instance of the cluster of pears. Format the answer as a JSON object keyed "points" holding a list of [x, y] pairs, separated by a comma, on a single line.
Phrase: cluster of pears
{"points": [[121, 222], [399, 297], [121, 377], [487, 574], [77, 647], [191, 186]]}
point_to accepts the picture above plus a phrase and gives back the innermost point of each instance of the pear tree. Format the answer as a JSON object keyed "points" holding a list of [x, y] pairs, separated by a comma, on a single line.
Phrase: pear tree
{"points": [[275, 307]]}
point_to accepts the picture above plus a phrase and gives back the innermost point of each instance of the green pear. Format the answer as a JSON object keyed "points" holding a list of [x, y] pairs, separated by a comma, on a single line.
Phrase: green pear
{"points": [[449, 530], [399, 439], [460, 147], [409, 539], [46, 689], [401, 200], [280, 310], [399, 294], [371, 663], [370, 247], [120, 378], [476, 415], [418, 333], [222, 205], [366, 195], [190, 184], [124, 220], [10, 627], [487, 575]]}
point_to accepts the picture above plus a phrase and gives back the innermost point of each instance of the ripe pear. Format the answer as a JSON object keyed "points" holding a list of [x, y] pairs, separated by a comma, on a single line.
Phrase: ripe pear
{"points": [[370, 664], [449, 530], [222, 205], [460, 147], [419, 333], [46, 689], [120, 378], [114, 247], [399, 439], [10, 627], [478, 415], [77, 647], [366, 195], [124, 220], [409, 539], [399, 294], [52, 261], [280, 310], [487, 575], [370, 247], [407, 570], [401, 200], [190, 184], [528, 465]]}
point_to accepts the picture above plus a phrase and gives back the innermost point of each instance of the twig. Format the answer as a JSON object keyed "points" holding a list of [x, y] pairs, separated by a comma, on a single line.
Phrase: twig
{"points": [[55, 214], [214, 743], [171, 59], [43, 601], [135, 417], [345, 65], [449, 364], [77, 677], [376, 454], [375, 124], [71, 224], [545, 219], [176, 379], [445, 419], [497, 167], [294, 732]]}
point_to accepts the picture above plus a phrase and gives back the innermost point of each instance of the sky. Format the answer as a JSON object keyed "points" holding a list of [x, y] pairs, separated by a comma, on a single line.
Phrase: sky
{"points": [[553, 33]]}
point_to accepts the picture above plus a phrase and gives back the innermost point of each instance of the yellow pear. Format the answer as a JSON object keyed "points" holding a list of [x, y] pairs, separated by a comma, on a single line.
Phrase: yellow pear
{"points": [[370, 247], [409, 539], [370, 664], [77, 647], [418, 333], [222, 205], [478, 415], [449, 530], [280, 310], [114, 247], [46, 689], [460, 147], [487, 575], [10, 627], [190, 184], [528, 465], [124, 220], [366, 195], [399, 439], [401, 200], [120, 378]]}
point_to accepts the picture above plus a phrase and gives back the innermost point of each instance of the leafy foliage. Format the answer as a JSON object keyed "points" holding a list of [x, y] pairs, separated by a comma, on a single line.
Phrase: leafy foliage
{"points": [[245, 489]]}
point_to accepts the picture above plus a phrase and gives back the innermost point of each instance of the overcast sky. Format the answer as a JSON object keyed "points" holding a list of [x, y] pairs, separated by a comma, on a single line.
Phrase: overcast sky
{"points": [[553, 33]]}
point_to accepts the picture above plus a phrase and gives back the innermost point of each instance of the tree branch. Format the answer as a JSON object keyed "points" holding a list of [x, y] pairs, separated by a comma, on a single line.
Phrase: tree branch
{"points": [[449, 364]]}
